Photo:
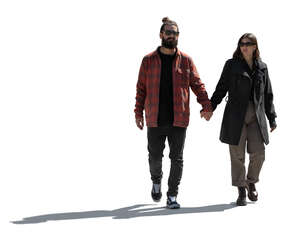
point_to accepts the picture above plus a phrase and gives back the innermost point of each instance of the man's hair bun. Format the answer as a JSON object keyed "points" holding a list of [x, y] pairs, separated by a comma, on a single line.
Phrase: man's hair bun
{"points": [[165, 19]]}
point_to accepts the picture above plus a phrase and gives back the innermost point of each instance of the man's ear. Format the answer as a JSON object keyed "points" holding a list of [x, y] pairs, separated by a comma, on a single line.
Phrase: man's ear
{"points": [[160, 35]]}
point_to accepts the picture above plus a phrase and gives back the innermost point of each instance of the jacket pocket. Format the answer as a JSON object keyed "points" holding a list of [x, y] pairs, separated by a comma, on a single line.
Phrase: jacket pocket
{"points": [[182, 77]]}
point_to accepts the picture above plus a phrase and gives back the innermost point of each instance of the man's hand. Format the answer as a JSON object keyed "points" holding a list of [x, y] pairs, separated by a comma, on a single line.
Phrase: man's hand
{"points": [[139, 123], [206, 115], [272, 129]]}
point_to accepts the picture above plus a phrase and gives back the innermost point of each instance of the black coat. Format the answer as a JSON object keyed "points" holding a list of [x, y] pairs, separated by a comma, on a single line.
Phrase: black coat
{"points": [[237, 82]]}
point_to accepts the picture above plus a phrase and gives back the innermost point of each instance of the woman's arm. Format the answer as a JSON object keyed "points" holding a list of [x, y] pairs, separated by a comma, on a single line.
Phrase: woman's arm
{"points": [[222, 86], [269, 106]]}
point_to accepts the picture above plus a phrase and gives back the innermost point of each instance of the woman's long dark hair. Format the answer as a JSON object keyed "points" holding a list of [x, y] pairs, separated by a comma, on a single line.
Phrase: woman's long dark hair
{"points": [[238, 54]]}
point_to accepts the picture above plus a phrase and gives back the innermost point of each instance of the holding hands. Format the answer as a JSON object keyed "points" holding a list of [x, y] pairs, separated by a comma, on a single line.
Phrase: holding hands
{"points": [[206, 115]]}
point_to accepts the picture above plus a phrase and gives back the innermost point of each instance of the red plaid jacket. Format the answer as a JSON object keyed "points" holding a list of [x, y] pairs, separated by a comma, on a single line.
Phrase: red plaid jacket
{"points": [[184, 76]]}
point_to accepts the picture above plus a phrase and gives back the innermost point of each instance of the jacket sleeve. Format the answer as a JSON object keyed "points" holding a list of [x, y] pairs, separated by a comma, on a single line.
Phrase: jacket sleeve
{"points": [[222, 86], [268, 96], [140, 91], [198, 88]]}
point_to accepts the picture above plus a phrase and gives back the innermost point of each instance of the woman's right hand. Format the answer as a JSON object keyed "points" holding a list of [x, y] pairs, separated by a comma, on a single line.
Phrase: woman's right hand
{"points": [[206, 115]]}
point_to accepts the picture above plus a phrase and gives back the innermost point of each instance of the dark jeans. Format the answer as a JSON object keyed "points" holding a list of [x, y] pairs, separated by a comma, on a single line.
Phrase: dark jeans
{"points": [[156, 144]]}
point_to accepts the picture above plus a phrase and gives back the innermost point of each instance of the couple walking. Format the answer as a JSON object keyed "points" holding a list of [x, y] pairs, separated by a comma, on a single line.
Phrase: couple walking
{"points": [[163, 91]]}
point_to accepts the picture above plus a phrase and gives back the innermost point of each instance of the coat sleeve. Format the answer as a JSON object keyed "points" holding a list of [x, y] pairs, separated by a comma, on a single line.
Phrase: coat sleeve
{"points": [[268, 97], [140, 91], [222, 86], [198, 88]]}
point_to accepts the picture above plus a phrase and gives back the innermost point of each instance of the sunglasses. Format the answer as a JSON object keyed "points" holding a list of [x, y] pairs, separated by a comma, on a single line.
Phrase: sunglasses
{"points": [[171, 32], [247, 44]]}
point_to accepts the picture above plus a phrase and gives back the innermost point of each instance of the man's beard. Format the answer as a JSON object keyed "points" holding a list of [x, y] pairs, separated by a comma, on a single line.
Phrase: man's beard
{"points": [[169, 44]]}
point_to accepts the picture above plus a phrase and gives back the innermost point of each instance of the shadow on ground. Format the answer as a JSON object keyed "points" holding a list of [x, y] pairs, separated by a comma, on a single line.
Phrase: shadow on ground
{"points": [[134, 211]]}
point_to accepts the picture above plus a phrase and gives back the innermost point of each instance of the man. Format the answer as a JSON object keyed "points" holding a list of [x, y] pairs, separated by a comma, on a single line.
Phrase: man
{"points": [[163, 91]]}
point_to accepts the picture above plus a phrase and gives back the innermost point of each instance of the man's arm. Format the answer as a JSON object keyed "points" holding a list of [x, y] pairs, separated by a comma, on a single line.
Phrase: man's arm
{"points": [[140, 96], [199, 90]]}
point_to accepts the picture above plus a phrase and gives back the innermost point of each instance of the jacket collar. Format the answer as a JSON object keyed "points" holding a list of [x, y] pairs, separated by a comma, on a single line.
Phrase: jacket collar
{"points": [[177, 59], [177, 53]]}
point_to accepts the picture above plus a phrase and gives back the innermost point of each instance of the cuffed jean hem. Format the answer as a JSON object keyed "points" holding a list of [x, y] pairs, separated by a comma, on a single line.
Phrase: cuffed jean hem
{"points": [[172, 194]]}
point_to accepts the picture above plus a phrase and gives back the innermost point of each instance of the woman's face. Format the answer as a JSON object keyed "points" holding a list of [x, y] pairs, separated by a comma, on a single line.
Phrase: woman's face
{"points": [[247, 47]]}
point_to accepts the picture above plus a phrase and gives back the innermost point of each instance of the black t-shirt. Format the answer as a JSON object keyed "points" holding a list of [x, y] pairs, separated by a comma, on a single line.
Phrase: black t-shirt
{"points": [[166, 111]]}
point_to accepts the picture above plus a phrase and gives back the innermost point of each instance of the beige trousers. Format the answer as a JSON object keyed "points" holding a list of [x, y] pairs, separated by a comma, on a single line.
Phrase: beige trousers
{"points": [[252, 138]]}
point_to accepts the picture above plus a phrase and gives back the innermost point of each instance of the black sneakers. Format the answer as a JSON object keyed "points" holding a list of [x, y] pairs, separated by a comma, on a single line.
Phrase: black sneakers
{"points": [[155, 196], [172, 204]]}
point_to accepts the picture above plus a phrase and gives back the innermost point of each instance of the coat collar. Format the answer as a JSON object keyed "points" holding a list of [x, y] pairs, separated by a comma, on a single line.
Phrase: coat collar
{"points": [[241, 67], [260, 64]]}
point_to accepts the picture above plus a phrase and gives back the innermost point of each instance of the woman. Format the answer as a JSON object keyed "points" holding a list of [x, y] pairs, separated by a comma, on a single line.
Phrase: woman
{"points": [[250, 97]]}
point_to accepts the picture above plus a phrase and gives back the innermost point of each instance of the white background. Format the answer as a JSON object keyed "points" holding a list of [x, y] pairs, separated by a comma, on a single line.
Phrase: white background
{"points": [[68, 139]]}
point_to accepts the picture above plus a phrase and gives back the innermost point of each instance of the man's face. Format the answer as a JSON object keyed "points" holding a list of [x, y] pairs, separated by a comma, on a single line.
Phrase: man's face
{"points": [[169, 36]]}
